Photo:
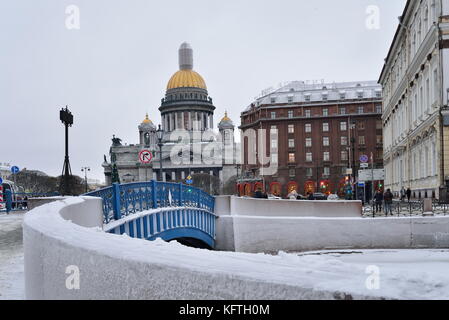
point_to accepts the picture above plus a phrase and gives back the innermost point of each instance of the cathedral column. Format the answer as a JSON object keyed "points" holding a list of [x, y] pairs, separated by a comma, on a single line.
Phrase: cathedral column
{"points": [[176, 120]]}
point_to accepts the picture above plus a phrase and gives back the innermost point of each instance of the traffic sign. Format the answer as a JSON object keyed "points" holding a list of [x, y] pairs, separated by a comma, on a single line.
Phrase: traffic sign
{"points": [[15, 169], [370, 175], [189, 180], [1, 180], [361, 184], [364, 165], [145, 156], [364, 158]]}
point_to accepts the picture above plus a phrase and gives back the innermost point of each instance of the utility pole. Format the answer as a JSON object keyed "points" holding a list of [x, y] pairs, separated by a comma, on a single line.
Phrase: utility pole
{"points": [[85, 169], [67, 119]]}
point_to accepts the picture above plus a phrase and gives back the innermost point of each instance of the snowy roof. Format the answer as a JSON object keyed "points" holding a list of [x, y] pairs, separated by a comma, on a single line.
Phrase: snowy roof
{"points": [[305, 92]]}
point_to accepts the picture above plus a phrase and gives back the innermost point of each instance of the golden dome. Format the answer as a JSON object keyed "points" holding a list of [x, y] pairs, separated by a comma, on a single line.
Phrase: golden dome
{"points": [[147, 120], [226, 118], [186, 79]]}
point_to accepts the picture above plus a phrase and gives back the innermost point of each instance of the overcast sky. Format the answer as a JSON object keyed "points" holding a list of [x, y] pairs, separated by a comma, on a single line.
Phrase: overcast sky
{"points": [[115, 68]]}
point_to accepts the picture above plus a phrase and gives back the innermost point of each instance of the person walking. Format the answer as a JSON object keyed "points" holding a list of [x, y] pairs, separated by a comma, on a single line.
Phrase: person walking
{"points": [[402, 194], [408, 193], [378, 198], [388, 200]]}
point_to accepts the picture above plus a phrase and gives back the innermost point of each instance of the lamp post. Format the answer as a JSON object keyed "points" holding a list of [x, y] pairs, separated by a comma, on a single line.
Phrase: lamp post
{"points": [[85, 169], [160, 133], [66, 118]]}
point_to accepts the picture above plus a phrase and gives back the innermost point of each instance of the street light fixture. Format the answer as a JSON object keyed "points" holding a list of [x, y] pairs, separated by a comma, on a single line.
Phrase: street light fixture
{"points": [[159, 134], [85, 169]]}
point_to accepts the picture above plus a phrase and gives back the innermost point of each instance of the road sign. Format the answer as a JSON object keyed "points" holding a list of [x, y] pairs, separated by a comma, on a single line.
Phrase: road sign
{"points": [[370, 175], [364, 158], [145, 156], [189, 180], [364, 165], [15, 169], [361, 184], [1, 180], [349, 171]]}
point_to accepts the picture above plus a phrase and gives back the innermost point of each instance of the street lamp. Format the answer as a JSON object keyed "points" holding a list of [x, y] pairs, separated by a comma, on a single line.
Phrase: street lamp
{"points": [[159, 134], [85, 169]]}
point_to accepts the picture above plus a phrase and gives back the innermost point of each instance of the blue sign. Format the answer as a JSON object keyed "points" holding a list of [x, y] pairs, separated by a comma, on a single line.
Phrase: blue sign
{"points": [[15, 169], [361, 184], [189, 181], [364, 158], [1, 180]]}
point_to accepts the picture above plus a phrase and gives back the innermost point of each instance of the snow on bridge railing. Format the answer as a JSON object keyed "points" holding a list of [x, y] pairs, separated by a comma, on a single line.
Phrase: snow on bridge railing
{"points": [[124, 199]]}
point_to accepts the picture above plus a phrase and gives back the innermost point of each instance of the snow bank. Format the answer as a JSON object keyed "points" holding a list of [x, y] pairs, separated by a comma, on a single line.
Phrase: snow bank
{"points": [[119, 267]]}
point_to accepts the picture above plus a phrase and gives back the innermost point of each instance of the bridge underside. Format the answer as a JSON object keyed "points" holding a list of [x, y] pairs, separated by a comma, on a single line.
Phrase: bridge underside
{"points": [[187, 236]]}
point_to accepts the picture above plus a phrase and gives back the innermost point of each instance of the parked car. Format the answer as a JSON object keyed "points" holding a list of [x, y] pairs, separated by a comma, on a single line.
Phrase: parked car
{"points": [[319, 196], [333, 196]]}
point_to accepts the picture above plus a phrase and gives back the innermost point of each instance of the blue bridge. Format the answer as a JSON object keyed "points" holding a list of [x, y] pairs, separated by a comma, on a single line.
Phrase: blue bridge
{"points": [[150, 210]]}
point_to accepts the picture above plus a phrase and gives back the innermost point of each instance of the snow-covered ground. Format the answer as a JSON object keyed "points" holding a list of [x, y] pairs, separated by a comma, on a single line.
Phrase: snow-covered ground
{"points": [[397, 274], [11, 256]]}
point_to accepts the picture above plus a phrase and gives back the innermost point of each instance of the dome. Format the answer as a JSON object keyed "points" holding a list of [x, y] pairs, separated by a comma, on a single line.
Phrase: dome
{"points": [[186, 79], [147, 124], [147, 120], [225, 122]]}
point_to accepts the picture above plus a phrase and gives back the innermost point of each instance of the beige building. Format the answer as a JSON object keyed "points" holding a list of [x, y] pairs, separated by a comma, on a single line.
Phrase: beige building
{"points": [[415, 84]]}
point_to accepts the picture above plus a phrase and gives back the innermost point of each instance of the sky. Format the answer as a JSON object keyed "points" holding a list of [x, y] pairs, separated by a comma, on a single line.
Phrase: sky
{"points": [[115, 67]]}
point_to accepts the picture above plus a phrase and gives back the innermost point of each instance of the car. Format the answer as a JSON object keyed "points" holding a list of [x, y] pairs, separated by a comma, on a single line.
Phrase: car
{"points": [[319, 196], [333, 196]]}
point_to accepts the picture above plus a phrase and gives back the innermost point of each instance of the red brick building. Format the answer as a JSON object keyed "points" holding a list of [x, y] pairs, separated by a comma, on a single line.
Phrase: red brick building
{"points": [[313, 134]]}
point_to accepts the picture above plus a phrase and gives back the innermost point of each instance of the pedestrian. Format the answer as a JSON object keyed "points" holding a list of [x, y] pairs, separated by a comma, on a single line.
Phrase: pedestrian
{"points": [[378, 198], [409, 194], [388, 200], [402, 194]]}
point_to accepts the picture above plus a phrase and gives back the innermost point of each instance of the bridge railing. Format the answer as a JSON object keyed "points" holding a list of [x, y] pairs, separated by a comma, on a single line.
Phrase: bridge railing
{"points": [[121, 200]]}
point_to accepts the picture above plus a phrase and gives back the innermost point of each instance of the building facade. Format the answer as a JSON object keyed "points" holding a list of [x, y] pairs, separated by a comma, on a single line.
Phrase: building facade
{"points": [[189, 144], [415, 83], [312, 134]]}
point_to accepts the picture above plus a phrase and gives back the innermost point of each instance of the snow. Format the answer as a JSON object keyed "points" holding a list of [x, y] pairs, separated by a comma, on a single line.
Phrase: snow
{"points": [[184, 272], [11, 257]]}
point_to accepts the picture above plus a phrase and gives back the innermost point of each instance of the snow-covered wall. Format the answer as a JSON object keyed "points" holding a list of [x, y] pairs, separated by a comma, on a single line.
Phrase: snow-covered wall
{"points": [[253, 225], [77, 260]]}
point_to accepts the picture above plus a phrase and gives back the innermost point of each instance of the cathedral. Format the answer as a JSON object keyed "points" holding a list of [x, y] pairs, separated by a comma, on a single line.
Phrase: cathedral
{"points": [[184, 144]]}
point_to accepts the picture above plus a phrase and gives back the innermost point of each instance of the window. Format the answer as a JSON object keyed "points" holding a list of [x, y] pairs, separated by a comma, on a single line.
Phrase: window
{"points": [[290, 113], [325, 112], [379, 124], [361, 109], [290, 99], [361, 140], [378, 94], [307, 113], [379, 139], [359, 94], [326, 156], [325, 141], [308, 142], [324, 96], [326, 171], [361, 125], [291, 128], [325, 127], [342, 110], [344, 156], [344, 170], [274, 144], [292, 172], [308, 127], [344, 140], [291, 157], [309, 156], [274, 158], [273, 99], [307, 97], [309, 172], [291, 143], [342, 95], [273, 114], [343, 126]]}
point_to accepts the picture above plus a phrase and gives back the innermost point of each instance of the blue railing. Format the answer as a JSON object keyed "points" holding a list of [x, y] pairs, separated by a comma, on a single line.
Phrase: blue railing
{"points": [[121, 200], [17, 201]]}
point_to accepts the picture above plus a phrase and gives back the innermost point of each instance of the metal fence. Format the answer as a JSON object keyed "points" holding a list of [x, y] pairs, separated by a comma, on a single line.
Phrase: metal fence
{"points": [[405, 208], [121, 200], [18, 201]]}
